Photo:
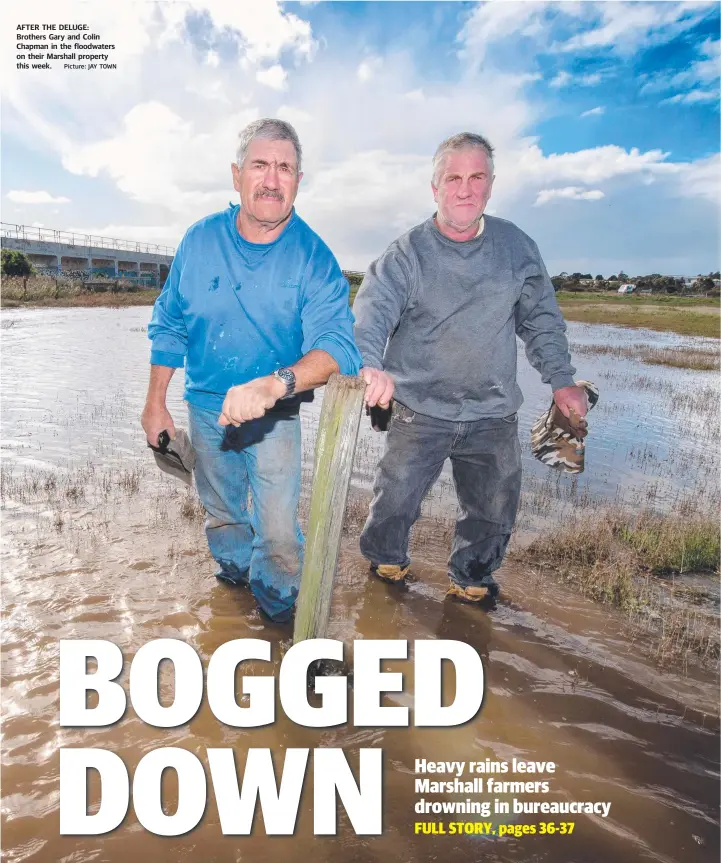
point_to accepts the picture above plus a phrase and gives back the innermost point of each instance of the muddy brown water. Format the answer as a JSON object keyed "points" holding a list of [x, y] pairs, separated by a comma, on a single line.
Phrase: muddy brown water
{"points": [[563, 681]]}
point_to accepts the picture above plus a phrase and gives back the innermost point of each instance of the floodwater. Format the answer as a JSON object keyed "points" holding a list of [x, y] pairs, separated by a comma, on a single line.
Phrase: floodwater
{"points": [[98, 545]]}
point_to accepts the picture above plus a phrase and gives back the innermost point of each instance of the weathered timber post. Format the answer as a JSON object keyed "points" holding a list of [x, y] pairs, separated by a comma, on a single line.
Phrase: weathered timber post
{"points": [[334, 451]]}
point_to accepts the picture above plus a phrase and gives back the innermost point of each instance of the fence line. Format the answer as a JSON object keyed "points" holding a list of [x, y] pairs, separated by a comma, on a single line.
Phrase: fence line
{"points": [[69, 238]]}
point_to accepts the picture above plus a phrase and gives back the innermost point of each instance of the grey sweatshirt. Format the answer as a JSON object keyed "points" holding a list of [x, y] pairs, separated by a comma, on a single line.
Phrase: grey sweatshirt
{"points": [[441, 317]]}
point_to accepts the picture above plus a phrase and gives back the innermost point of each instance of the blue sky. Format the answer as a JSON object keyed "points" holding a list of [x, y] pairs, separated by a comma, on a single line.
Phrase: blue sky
{"points": [[605, 119]]}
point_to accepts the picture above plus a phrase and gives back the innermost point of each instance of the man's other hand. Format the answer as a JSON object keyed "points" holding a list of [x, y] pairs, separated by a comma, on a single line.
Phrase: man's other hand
{"points": [[155, 419], [379, 389], [250, 401], [571, 398]]}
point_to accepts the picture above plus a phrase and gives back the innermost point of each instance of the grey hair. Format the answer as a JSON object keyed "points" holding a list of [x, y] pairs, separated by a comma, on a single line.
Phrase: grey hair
{"points": [[461, 141], [267, 129]]}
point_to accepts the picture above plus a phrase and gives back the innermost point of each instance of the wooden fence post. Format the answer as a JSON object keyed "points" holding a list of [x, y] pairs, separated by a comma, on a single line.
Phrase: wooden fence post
{"points": [[334, 451]]}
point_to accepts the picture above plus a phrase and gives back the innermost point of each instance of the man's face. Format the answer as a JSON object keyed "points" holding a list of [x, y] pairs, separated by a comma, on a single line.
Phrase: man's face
{"points": [[268, 180], [464, 187]]}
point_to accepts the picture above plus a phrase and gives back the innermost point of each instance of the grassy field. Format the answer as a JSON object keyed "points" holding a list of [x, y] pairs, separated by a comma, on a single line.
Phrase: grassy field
{"points": [[664, 319], [637, 299], [687, 316]]}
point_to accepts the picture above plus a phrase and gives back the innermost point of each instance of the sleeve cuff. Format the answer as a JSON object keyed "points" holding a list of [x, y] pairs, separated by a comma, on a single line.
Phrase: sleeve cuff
{"points": [[369, 362], [165, 358], [561, 380], [348, 363]]}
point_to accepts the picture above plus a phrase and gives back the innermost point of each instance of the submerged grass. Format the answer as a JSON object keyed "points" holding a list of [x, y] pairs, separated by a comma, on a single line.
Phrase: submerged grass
{"points": [[674, 545], [638, 564], [698, 359]]}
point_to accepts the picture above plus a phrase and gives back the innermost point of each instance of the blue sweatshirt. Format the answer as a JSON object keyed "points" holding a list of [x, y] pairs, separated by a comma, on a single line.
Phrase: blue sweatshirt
{"points": [[233, 311]]}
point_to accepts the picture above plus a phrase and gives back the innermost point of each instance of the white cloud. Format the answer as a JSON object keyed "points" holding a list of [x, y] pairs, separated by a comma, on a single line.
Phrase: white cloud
{"points": [[161, 158], [573, 193], [19, 196], [264, 28], [697, 83], [590, 167], [692, 97], [274, 77], [369, 68], [207, 90], [163, 132], [706, 70], [594, 112], [701, 179], [617, 27], [294, 116], [627, 27], [490, 23], [563, 79]]}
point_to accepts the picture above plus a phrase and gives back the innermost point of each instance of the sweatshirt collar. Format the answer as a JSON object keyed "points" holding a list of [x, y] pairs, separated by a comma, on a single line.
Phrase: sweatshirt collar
{"points": [[234, 209], [457, 243]]}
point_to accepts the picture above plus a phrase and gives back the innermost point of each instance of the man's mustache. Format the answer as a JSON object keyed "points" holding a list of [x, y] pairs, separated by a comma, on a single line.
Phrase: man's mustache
{"points": [[263, 192]]}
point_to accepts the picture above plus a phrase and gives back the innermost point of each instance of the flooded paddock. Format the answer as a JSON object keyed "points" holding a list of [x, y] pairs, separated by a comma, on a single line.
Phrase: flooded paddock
{"points": [[98, 544]]}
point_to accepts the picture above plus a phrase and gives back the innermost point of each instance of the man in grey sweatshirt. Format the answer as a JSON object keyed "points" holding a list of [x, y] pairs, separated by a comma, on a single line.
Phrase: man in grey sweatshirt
{"points": [[436, 322]]}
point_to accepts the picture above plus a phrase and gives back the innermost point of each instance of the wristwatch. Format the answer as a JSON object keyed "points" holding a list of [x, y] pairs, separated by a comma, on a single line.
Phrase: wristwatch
{"points": [[288, 378]]}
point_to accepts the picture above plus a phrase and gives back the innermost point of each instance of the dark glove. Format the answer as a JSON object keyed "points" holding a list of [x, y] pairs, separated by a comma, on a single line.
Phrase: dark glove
{"points": [[380, 417]]}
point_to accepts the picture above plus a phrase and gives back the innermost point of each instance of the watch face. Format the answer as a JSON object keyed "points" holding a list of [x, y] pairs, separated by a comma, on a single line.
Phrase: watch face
{"points": [[288, 378]]}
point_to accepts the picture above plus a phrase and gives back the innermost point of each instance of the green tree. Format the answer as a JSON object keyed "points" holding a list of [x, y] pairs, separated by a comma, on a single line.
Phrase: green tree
{"points": [[571, 285], [15, 263]]}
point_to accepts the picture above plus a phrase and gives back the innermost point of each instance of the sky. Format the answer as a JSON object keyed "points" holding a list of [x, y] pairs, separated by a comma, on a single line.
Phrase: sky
{"points": [[604, 118]]}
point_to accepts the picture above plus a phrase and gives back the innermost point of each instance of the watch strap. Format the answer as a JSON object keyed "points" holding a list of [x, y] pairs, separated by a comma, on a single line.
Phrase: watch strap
{"points": [[288, 378]]}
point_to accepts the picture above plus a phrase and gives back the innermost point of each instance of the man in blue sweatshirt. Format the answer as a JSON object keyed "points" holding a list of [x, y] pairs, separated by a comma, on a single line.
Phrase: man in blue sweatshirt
{"points": [[256, 308], [437, 318]]}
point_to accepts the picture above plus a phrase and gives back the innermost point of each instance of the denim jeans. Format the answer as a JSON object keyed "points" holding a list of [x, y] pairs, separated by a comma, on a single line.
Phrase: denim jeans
{"points": [[486, 461], [260, 545]]}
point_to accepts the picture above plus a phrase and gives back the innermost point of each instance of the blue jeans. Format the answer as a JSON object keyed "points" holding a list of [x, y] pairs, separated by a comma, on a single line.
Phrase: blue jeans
{"points": [[486, 461], [261, 544]]}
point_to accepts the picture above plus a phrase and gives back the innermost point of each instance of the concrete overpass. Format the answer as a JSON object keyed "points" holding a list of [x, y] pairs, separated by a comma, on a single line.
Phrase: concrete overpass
{"points": [[54, 252]]}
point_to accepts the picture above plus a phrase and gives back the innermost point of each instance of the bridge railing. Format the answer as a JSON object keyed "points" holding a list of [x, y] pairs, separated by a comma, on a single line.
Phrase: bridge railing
{"points": [[69, 238]]}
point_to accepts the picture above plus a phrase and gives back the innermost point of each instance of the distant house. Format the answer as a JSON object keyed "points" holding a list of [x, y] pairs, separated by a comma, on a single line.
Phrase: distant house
{"points": [[626, 289]]}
